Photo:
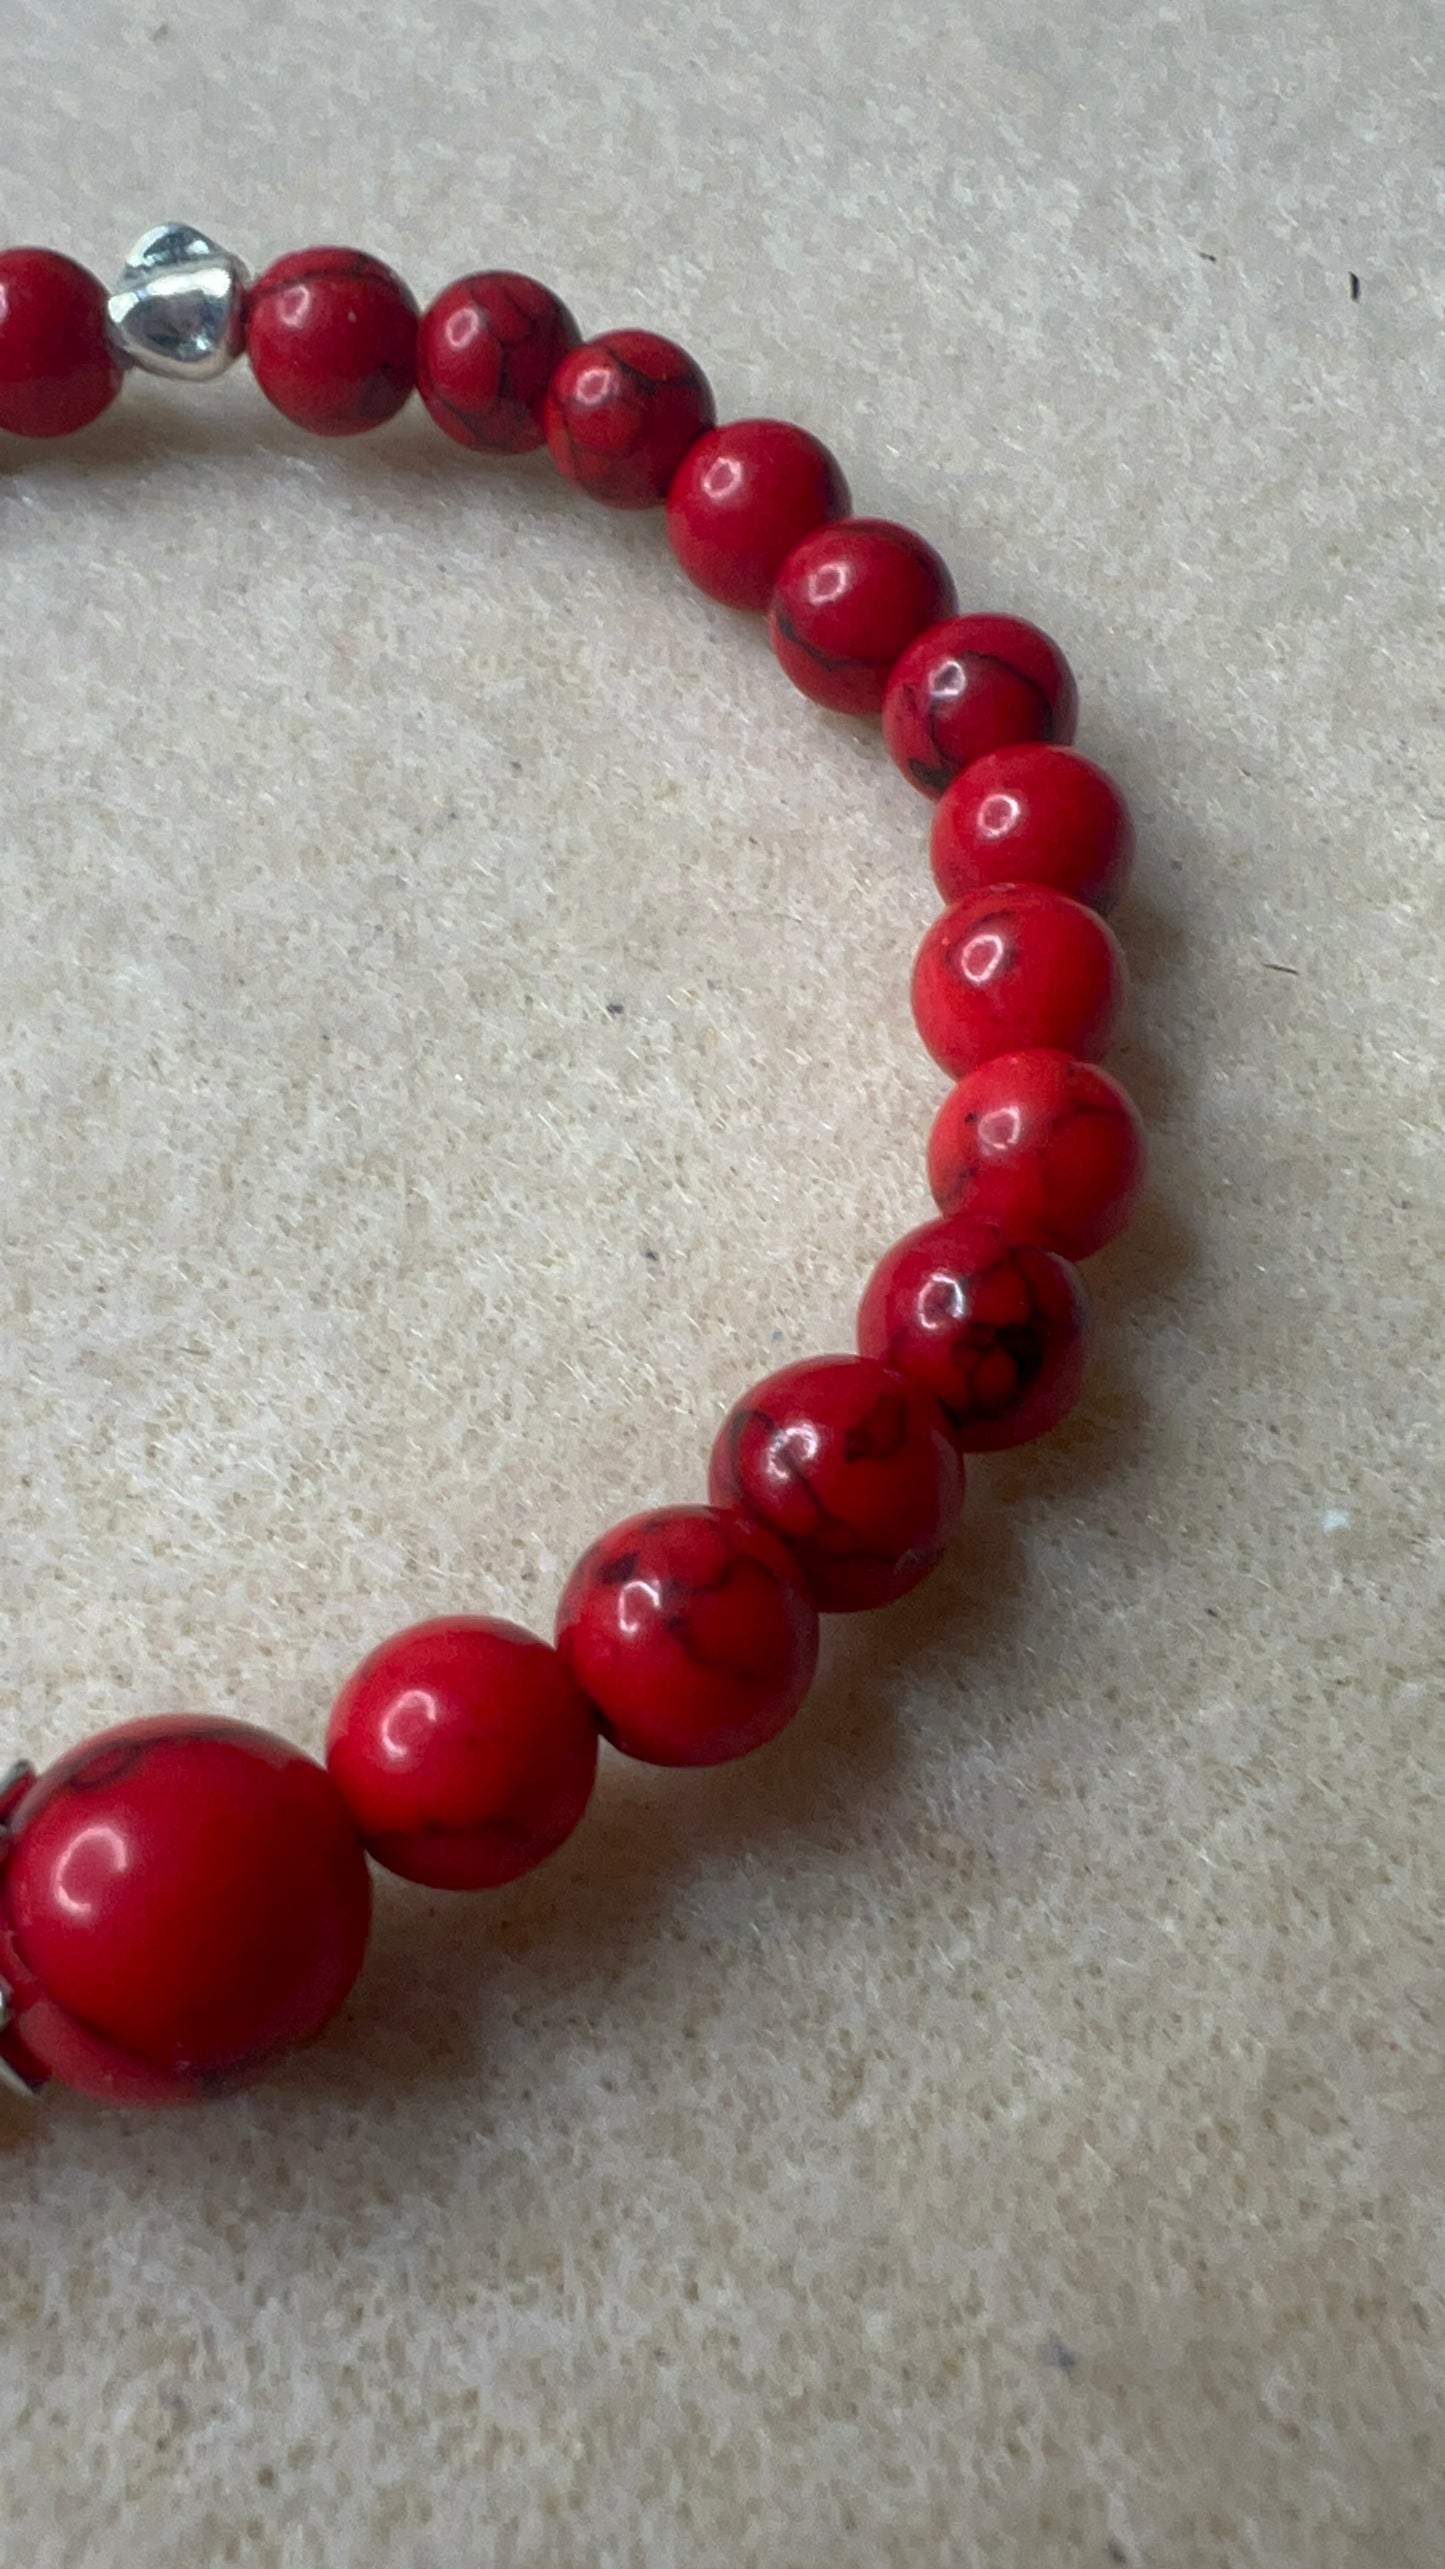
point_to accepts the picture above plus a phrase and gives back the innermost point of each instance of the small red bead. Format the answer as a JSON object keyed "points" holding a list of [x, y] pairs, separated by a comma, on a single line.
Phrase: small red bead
{"points": [[620, 414], [1034, 814], [997, 1332], [331, 335], [1013, 968], [742, 497], [58, 370], [971, 685], [852, 1468], [486, 350], [691, 1634], [849, 598], [180, 1899], [1050, 1148], [464, 1751]]}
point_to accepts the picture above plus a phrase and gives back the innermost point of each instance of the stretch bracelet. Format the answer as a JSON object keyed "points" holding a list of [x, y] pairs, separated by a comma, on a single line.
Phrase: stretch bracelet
{"points": [[183, 1898]]}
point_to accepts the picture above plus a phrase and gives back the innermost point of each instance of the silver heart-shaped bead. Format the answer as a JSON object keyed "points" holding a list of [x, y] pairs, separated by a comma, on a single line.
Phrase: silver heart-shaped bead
{"points": [[179, 307]]}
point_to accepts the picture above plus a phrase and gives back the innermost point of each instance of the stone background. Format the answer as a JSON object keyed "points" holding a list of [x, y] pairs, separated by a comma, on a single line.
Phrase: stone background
{"points": [[455, 1035]]}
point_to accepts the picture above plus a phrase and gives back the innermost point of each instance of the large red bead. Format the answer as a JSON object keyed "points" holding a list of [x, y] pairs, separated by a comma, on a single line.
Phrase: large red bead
{"points": [[331, 335], [486, 350], [691, 1633], [464, 1750], [971, 685], [1015, 967], [742, 497], [1034, 814], [620, 414], [1050, 1148], [852, 1468], [849, 598], [58, 370], [180, 1899], [995, 1331]]}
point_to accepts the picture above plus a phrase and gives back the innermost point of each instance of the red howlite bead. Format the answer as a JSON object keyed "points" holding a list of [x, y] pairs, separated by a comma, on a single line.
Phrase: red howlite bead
{"points": [[971, 685], [849, 598], [997, 1332], [691, 1633], [1034, 814], [180, 1899], [1017, 967], [852, 1468], [58, 370], [620, 414], [742, 497], [486, 350], [1050, 1148], [331, 335], [464, 1751]]}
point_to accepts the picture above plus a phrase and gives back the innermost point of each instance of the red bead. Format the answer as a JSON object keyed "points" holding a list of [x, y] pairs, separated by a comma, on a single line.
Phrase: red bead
{"points": [[742, 497], [486, 350], [58, 370], [972, 685], [620, 414], [849, 598], [1013, 968], [1034, 814], [180, 1899], [1048, 1147], [996, 1331], [691, 1633], [852, 1468], [331, 335], [464, 1751]]}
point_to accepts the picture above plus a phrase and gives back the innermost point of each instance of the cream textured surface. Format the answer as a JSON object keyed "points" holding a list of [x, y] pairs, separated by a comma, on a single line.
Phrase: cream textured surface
{"points": [[456, 1035]]}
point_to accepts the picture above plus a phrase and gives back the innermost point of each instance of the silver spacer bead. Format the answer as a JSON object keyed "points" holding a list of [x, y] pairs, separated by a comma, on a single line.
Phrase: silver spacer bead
{"points": [[13, 1785], [179, 306], [13, 2080]]}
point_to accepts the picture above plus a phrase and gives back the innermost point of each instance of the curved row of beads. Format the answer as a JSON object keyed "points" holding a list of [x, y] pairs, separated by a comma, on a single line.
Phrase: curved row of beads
{"points": [[182, 1898]]}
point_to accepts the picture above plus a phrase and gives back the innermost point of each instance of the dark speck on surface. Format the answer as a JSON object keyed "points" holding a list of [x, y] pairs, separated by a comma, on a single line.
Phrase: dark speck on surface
{"points": [[1062, 2356], [615, 1008], [1354, 287]]}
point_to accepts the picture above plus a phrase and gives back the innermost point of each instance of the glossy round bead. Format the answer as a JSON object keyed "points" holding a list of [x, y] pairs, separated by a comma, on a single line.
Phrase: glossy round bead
{"points": [[1034, 814], [849, 598], [486, 350], [331, 335], [691, 1633], [1050, 1148], [620, 414], [180, 1899], [852, 1468], [740, 500], [58, 370], [1016, 967], [971, 685], [464, 1751], [995, 1331]]}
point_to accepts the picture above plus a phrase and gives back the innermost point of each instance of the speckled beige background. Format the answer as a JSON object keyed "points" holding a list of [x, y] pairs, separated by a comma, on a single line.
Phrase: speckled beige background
{"points": [[455, 1035]]}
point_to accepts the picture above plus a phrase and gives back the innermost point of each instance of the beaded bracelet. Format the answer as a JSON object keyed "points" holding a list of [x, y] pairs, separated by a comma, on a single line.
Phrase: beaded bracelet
{"points": [[182, 1898]]}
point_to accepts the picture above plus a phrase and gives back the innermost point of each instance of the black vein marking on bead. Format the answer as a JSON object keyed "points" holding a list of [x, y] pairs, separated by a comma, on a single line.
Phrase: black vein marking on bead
{"points": [[104, 1766], [814, 651], [508, 399], [880, 1434], [686, 377], [934, 776], [833, 1537], [358, 271], [679, 1598]]}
